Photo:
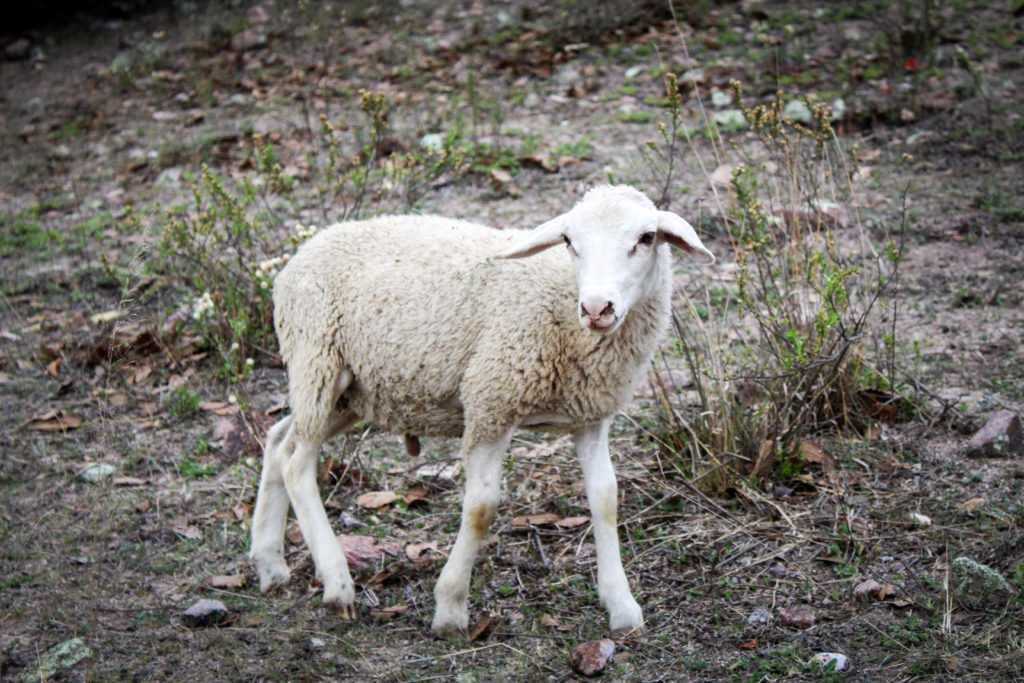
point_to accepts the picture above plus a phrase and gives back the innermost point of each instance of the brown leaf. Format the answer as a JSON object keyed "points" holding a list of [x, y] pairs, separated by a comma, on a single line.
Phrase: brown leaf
{"points": [[550, 620], [422, 553], [53, 368], [376, 499], [388, 612], [749, 645], [189, 531], [227, 581], [572, 522], [812, 452], [55, 421], [480, 628], [972, 504], [416, 493], [537, 520], [871, 589], [360, 549]]}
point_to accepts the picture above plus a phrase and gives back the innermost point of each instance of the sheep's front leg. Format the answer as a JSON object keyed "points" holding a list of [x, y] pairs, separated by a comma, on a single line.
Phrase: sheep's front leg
{"points": [[299, 469], [602, 493], [483, 464]]}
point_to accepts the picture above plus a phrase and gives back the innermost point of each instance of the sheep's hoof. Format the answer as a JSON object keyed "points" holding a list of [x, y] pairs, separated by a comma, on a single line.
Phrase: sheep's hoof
{"points": [[347, 611], [450, 628], [272, 574]]}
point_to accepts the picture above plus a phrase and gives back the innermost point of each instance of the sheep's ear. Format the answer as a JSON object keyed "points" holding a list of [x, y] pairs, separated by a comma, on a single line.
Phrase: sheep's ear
{"points": [[679, 233], [540, 238]]}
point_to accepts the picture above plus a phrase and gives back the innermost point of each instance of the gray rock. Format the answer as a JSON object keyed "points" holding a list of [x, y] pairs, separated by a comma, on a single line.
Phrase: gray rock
{"points": [[63, 655], [205, 613], [761, 615], [796, 110], [976, 585], [18, 49], [97, 471], [731, 119], [1001, 436], [720, 99]]}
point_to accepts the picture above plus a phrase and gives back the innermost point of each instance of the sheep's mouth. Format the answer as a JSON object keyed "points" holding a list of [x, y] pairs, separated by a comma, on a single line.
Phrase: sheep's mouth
{"points": [[601, 326]]}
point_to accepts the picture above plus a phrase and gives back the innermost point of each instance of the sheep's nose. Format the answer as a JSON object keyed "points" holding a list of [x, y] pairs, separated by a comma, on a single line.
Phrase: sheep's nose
{"points": [[599, 311]]}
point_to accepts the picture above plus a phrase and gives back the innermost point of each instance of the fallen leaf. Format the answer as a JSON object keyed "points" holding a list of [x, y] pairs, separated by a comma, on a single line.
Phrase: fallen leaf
{"points": [[537, 520], [812, 452], [422, 553], [360, 550], [388, 612], [227, 581], [480, 628], [572, 522], [550, 620], [189, 531], [871, 589], [56, 421], [749, 645], [376, 499], [415, 494], [972, 504]]}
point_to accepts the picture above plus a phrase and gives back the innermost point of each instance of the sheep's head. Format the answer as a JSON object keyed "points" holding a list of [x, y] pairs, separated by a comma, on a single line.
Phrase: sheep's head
{"points": [[614, 236]]}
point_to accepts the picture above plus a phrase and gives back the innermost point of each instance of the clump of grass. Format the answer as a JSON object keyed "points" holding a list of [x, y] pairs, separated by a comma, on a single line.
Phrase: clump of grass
{"points": [[798, 342], [182, 404]]}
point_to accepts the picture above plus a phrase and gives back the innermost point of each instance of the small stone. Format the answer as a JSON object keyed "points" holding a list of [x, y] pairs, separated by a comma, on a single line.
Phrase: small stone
{"points": [[976, 585], [1001, 436], [797, 617], [761, 615], [731, 119], [796, 110], [17, 50], [97, 471], [720, 99], [871, 589], [205, 613], [831, 661], [248, 40], [693, 77], [590, 658]]}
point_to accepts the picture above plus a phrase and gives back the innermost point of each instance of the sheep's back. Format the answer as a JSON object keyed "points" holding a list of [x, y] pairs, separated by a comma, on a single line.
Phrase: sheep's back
{"points": [[402, 302]]}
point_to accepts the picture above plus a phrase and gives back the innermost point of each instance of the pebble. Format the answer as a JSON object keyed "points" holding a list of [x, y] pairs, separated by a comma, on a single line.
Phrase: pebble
{"points": [[1000, 436], [590, 658], [17, 50], [205, 613]]}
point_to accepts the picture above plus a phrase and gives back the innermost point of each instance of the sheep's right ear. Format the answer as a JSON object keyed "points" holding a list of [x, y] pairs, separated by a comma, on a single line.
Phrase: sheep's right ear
{"points": [[540, 238]]}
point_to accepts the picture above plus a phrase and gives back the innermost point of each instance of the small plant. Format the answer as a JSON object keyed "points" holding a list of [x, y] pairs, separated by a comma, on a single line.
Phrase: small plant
{"points": [[223, 250], [786, 351], [182, 404], [190, 469]]}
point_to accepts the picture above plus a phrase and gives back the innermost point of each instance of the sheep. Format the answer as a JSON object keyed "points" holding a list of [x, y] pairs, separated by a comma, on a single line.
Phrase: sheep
{"points": [[430, 326]]}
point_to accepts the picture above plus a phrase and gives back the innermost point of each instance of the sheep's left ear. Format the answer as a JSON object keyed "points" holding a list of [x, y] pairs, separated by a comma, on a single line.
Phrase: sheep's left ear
{"points": [[540, 238], [679, 233]]}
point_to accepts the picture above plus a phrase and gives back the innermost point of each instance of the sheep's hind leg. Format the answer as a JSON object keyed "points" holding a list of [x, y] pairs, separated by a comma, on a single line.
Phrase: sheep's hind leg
{"points": [[483, 464], [624, 613], [270, 514], [316, 419]]}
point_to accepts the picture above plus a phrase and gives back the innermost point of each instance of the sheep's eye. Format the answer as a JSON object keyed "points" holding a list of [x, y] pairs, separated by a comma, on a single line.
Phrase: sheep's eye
{"points": [[647, 238]]}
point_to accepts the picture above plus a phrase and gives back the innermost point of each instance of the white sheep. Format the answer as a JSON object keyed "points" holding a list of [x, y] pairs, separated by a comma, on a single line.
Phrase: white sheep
{"points": [[432, 326]]}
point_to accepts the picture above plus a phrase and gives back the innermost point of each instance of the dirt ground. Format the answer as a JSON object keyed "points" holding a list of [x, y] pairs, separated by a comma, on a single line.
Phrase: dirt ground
{"points": [[123, 501]]}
